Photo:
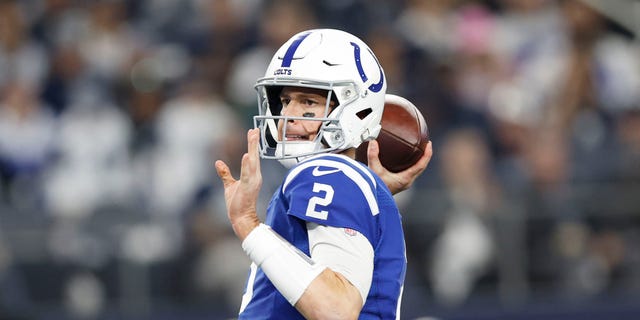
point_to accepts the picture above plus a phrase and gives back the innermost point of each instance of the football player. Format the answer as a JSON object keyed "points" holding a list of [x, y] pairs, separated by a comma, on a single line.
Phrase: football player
{"points": [[332, 244]]}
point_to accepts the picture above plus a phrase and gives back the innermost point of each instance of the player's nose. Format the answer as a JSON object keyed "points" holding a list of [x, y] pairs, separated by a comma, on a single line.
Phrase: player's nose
{"points": [[293, 109]]}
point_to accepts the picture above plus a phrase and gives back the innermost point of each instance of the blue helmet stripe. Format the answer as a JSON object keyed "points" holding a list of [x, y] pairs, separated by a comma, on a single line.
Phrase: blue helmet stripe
{"points": [[288, 56]]}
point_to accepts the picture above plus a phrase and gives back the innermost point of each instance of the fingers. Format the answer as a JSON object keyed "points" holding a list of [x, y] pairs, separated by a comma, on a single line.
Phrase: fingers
{"points": [[421, 164], [406, 178], [251, 159], [224, 173], [426, 157], [373, 152], [253, 139]]}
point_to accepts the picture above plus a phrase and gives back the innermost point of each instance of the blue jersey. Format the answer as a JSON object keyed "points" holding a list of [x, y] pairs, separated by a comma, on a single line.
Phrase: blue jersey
{"points": [[336, 191]]}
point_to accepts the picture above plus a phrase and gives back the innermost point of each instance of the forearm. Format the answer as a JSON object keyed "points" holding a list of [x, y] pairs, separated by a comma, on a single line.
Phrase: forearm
{"points": [[316, 291], [330, 296]]}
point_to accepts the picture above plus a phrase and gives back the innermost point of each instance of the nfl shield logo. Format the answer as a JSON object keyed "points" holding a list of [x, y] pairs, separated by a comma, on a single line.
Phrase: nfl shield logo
{"points": [[350, 232]]}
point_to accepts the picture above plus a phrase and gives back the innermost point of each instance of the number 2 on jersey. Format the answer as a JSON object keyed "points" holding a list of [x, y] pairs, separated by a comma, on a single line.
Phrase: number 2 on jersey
{"points": [[323, 200]]}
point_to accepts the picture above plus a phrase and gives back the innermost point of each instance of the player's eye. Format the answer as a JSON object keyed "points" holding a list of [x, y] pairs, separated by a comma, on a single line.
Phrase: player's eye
{"points": [[310, 102], [285, 101]]}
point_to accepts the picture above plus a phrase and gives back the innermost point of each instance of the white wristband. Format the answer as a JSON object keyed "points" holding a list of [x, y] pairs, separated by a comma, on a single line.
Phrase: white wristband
{"points": [[290, 270]]}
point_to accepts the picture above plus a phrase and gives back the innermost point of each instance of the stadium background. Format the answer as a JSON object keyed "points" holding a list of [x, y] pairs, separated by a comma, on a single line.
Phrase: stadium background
{"points": [[112, 113]]}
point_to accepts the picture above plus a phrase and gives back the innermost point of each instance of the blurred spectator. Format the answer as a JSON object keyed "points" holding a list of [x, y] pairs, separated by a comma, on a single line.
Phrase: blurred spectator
{"points": [[551, 205], [67, 79], [428, 25], [107, 42], [21, 58], [191, 129], [477, 68], [463, 253], [529, 42], [92, 169], [600, 69], [26, 144], [596, 77]]}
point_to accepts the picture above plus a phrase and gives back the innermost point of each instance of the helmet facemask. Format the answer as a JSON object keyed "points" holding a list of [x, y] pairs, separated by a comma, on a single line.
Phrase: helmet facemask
{"points": [[273, 144]]}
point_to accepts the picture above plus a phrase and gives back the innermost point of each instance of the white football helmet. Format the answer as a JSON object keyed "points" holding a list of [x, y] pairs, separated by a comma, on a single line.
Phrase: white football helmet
{"points": [[331, 60]]}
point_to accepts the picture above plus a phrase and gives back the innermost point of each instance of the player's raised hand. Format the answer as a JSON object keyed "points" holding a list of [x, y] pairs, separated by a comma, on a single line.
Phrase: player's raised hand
{"points": [[399, 181], [241, 195]]}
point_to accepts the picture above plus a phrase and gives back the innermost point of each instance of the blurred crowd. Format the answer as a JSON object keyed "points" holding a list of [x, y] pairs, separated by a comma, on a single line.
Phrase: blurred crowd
{"points": [[112, 113]]}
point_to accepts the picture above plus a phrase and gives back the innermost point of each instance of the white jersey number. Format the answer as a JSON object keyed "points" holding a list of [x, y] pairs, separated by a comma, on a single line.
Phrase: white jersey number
{"points": [[323, 200]]}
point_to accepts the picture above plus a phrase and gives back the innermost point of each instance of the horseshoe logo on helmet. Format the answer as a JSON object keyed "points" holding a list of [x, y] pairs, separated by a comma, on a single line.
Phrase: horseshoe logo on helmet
{"points": [[376, 87]]}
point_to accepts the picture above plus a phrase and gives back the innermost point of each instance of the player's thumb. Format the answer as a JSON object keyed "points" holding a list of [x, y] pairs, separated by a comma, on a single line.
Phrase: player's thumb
{"points": [[373, 151], [224, 173]]}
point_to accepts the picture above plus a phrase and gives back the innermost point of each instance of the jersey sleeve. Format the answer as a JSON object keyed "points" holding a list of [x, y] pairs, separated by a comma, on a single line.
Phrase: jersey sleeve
{"points": [[333, 193], [350, 254]]}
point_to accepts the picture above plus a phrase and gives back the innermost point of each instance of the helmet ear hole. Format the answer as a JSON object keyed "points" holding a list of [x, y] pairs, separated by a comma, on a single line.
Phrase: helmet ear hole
{"points": [[364, 113]]}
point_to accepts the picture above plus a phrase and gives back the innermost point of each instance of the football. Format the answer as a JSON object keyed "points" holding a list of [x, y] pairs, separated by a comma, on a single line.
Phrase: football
{"points": [[403, 137]]}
